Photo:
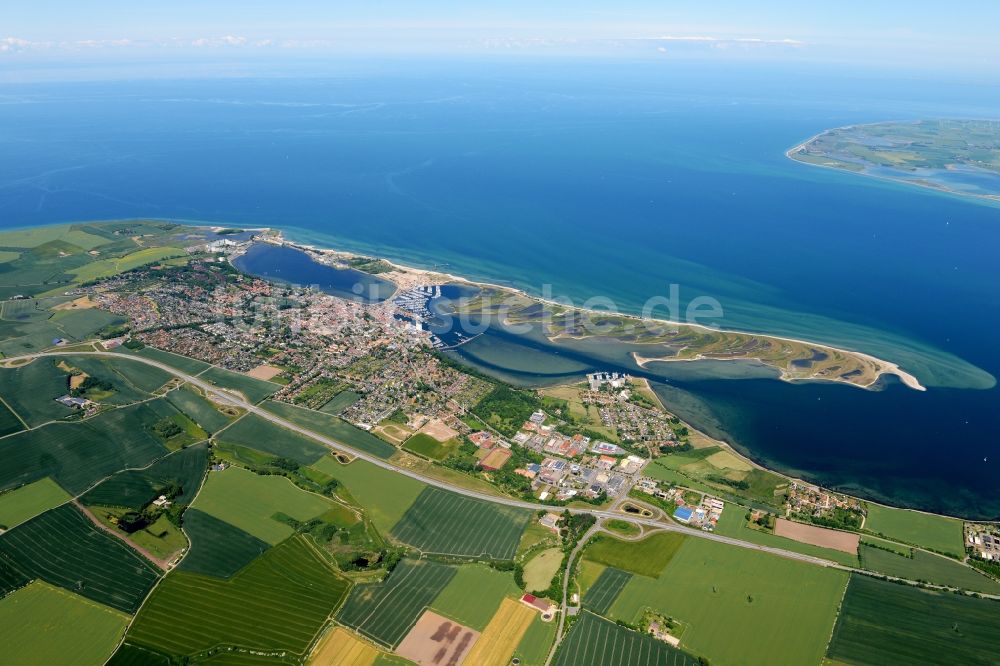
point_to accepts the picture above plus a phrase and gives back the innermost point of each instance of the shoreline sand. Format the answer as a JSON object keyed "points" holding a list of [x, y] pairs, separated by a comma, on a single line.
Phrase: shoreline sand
{"points": [[886, 367]]}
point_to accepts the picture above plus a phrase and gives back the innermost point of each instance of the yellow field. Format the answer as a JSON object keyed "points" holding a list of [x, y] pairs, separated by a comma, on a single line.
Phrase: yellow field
{"points": [[502, 635], [726, 460], [341, 648]]}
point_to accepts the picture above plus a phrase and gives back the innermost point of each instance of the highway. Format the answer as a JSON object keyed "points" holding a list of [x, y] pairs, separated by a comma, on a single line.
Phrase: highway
{"points": [[225, 396]]}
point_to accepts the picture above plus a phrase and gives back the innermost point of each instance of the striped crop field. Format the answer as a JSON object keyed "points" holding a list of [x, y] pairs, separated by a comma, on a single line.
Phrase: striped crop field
{"points": [[386, 611], [64, 548], [447, 523], [279, 603], [605, 590], [594, 641]]}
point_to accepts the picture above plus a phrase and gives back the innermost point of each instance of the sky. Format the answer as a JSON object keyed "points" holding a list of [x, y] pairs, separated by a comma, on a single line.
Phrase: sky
{"points": [[914, 34]]}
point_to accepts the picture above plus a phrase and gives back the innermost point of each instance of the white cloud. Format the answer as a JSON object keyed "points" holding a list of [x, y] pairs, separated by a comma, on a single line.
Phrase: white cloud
{"points": [[215, 42], [13, 45], [730, 40]]}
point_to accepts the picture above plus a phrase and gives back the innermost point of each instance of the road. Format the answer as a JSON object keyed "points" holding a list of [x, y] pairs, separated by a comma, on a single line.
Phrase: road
{"points": [[225, 396]]}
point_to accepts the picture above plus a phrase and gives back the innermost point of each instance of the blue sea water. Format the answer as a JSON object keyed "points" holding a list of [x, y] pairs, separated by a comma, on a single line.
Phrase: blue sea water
{"points": [[612, 179]]}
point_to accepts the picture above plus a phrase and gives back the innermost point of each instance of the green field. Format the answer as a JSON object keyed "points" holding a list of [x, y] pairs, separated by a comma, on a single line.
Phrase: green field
{"points": [[919, 529], [248, 501], [35, 236], [533, 649], [135, 489], [741, 606], [443, 522], [385, 612], [134, 655], [885, 623], [64, 548], [646, 558], [602, 594], [76, 455], [278, 603], [385, 495], [26, 502], [30, 390], [924, 566], [733, 523], [333, 427], [255, 390], [112, 266], [198, 409], [186, 364], [217, 548], [541, 568], [131, 379], [427, 446], [338, 403], [474, 595], [258, 433], [9, 422], [594, 641], [41, 624]]}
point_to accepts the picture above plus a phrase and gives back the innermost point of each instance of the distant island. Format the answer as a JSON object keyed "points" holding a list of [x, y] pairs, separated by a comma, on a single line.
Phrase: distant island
{"points": [[955, 156]]}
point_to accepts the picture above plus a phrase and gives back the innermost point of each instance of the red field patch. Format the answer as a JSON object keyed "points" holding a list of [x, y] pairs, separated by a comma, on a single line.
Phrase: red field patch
{"points": [[817, 536], [437, 641]]}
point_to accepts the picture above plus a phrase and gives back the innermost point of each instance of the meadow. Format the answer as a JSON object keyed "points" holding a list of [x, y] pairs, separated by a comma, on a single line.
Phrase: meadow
{"points": [[424, 445], [136, 488], [602, 594], [539, 570], [886, 623], [255, 390], [28, 501], [64, 548], [42, 624], [249, 501], [448, 523], [927, 567], [594, 641], [258, 433], [278, 603], [198, 409], [76, 455], [919, 529], [385, 612], [385, 495], [112, 266], [217, 548], [333, 427], [338, 403], [741, 605], [647, 557], [474, 594]]}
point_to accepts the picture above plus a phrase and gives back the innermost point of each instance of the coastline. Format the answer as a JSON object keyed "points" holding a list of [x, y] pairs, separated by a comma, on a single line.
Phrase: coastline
{"points": [[989, 199], [437, 277]]}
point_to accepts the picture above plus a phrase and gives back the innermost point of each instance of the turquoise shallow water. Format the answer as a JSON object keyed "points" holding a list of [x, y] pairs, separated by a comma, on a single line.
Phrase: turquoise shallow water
{"points": [[603, 179]]}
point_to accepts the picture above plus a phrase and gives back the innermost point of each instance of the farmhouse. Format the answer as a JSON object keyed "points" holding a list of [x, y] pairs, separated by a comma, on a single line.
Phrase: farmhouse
{"points": [[71, 402], [551, 521], [544, 606]]}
